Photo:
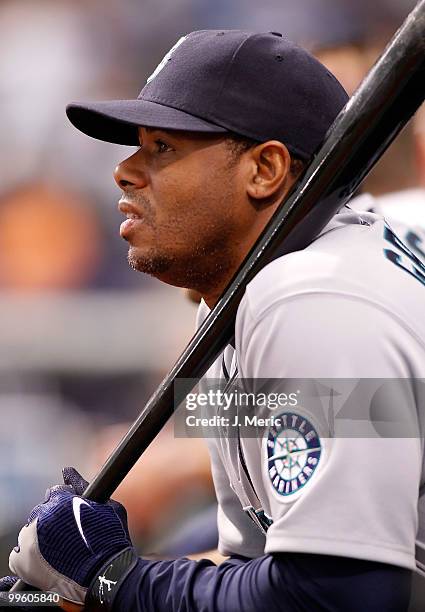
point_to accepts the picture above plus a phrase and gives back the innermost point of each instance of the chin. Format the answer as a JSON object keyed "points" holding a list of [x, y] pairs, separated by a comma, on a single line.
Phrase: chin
{"points": [[187, 271], [154, 264]]}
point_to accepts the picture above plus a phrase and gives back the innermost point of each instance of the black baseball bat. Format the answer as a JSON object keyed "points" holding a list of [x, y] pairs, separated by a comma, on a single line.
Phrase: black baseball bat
{"points": [[387, 98]]}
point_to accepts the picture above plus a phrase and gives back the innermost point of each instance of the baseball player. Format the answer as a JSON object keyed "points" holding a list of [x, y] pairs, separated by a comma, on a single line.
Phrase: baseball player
{"points": [[311, 516]]}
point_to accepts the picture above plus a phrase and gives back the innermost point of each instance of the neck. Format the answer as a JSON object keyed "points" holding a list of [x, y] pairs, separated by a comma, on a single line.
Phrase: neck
{"points": [[212, 296]]}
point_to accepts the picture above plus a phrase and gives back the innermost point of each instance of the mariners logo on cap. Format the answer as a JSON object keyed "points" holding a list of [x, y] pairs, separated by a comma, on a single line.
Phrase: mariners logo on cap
{"points": [[293, 453]]}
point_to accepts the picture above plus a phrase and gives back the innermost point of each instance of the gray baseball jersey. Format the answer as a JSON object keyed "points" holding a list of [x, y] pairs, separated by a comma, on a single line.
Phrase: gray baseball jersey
{"points": [[349, 306], [405, 212]]}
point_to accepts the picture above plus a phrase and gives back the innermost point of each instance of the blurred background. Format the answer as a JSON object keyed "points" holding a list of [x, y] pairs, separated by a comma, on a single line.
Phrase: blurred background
{"points": [[84, 340]]}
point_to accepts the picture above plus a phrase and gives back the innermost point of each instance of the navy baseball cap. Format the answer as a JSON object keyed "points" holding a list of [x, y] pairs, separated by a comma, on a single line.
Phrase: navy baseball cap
{"points": [[261, 86]]}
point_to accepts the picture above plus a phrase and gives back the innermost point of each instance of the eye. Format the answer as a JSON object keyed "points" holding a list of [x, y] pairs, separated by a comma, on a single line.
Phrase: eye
{"points": [[163, 147]]}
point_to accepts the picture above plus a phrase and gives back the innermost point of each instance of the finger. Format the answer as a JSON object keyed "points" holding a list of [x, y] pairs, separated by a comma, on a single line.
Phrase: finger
{"points": [[74, 479], [15, 552], [7, 583]]}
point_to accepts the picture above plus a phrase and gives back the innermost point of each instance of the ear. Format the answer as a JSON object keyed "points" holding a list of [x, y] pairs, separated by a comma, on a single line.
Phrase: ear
{"points": [[270, 170]]}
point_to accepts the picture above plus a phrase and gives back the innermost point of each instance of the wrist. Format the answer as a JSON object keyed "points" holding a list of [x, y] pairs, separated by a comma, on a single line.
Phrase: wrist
{"points": [[109, 579]]}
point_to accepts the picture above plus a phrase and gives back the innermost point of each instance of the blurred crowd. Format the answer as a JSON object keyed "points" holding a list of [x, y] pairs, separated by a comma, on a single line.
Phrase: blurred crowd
{"points": [[84, 339]]}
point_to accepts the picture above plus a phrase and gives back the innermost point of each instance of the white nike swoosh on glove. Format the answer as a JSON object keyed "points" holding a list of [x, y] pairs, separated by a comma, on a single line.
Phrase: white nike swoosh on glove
{"points": [[77, 502]]}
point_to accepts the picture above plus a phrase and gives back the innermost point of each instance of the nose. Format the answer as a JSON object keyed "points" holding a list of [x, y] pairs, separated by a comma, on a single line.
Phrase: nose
{"points": [[129, 174]]}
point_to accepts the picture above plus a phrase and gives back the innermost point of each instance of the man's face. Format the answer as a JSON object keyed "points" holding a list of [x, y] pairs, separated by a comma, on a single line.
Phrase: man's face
{"points": [[186, 207]]}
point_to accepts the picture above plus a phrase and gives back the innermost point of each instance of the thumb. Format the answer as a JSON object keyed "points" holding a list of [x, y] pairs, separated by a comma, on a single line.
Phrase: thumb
{"points": [[7, 582], [74, 479]]}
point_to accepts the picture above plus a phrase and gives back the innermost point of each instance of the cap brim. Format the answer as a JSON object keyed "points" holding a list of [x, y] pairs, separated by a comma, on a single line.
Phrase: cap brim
{"points": [[117, 121]]}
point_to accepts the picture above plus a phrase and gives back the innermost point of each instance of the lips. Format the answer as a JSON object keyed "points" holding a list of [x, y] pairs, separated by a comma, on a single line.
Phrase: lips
{"points": [[129, 209], [134, 218]]}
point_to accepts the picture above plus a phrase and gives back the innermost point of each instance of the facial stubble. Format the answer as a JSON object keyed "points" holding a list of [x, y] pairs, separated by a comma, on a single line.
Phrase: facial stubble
{"points": [[201, 257]]}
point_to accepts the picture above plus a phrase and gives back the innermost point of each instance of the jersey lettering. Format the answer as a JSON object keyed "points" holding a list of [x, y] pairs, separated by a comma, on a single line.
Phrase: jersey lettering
{"points": [[415, 242], [403, 257]]}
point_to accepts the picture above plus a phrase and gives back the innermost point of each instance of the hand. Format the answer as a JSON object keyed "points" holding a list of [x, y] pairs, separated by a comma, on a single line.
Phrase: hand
{"points": [[7, 583], [68, 539]]}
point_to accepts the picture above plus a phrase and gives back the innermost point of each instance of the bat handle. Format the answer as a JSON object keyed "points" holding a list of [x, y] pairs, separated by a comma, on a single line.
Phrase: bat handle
{"points": [[20, 585]]}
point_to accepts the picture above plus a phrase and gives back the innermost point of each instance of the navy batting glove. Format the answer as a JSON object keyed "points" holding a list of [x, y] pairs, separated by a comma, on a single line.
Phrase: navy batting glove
{"points": [[73, 479], [7, 583], [70, 542], [78, 485]]}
